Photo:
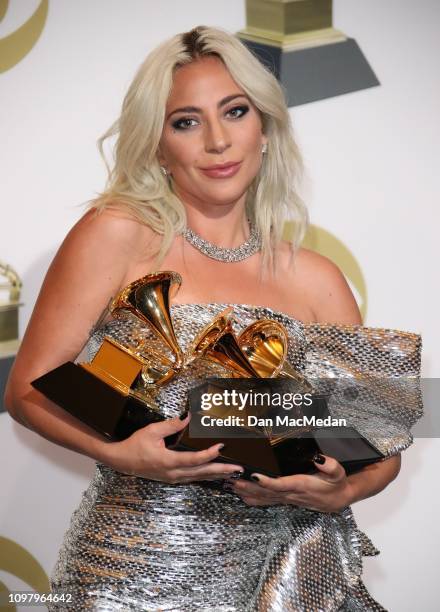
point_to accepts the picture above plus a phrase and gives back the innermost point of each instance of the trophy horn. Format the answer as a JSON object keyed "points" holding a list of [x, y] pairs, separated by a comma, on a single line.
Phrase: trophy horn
{"points": [[217, 342], [265, 345], [148, 299]]}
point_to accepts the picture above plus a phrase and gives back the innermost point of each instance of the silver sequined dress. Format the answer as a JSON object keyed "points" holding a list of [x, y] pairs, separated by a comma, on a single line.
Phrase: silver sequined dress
{"points": [[141, 545]]}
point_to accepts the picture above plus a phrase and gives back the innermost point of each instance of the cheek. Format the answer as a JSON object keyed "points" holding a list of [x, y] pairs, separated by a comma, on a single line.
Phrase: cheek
{"points": [[182, 153], [250, 138], [173, 146], [173, 151], [252, 149]]}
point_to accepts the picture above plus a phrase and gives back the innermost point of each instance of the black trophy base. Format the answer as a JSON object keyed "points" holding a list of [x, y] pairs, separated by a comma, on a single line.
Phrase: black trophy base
{"points": [[97, 404], [250, 447], [117, 416], [292, 455]]}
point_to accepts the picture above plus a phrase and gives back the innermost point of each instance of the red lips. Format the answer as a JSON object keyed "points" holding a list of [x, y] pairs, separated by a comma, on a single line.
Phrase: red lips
{"points": [[222, 170], [217, 166]]}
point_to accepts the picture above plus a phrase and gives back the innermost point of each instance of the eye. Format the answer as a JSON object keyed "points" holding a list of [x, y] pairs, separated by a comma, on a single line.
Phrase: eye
{"points": [[238, 111], [184, 123]]}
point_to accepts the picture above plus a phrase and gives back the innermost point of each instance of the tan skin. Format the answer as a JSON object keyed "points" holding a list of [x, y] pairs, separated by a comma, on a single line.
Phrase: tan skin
{"points": [[102, 254]]}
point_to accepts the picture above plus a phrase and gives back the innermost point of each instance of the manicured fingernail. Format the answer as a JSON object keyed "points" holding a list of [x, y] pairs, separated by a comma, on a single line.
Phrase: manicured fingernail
{"points": [[319, 459], [220, 446], [236, 474], [255, 478], [183, 416]]}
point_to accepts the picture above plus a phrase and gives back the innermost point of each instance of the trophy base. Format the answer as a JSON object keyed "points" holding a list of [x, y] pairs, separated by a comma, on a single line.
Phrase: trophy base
{"points": [[117, 415], [292, 455], [324, 71], [268, 448], [94, 402]]}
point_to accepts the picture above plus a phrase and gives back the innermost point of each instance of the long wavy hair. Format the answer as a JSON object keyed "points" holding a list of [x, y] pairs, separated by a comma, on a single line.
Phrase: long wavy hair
{"points": [[135, 181]]}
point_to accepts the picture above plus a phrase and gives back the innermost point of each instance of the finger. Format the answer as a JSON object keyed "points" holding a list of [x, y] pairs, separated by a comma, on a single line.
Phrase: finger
{"points": [[221, 470], [211, 471], [169, 426], [244, 487], [195, 458], [285, 498], [256, 501], [294, 483], [330, 467]]}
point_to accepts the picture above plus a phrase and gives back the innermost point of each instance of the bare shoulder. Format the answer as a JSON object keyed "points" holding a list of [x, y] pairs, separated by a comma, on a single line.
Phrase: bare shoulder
{"points": [[88, 270], [110, 241], [326, 288], [109, 227]]}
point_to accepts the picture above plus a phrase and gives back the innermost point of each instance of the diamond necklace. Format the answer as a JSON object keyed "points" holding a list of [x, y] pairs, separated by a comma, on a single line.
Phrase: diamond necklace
{"points": [[245, 250]]}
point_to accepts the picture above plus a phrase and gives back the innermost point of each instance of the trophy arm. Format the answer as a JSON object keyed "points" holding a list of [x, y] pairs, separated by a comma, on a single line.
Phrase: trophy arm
{"points": [[14, 284]]}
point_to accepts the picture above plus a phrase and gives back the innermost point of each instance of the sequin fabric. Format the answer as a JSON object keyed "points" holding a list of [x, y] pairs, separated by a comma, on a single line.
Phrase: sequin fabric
{"points": [[142, 545]]}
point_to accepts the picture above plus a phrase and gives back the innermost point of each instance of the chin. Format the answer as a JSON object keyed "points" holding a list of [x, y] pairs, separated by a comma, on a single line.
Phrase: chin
{"points": [[225, 193], [221, 198]]}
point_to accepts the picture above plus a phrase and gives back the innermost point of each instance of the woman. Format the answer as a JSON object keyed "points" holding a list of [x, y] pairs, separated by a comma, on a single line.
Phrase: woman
{"points": [[204, 150]]}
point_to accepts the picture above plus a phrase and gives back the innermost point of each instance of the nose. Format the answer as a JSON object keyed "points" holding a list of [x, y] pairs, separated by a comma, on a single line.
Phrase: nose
{"points": [[217, 137]]}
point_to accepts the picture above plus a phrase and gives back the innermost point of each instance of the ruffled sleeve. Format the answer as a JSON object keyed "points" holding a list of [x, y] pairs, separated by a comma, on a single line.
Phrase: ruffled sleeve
{"points": [[371, 377]]}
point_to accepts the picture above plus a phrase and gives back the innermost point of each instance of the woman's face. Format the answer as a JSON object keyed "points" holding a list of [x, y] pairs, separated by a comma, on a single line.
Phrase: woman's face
{"points": [[210, 122]]}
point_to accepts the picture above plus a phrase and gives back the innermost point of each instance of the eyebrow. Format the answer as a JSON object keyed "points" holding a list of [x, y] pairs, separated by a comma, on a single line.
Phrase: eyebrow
{"points": [[196, 109]]}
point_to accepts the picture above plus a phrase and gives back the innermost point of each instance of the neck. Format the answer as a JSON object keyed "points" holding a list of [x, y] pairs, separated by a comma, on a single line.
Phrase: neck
{"points": [[225, 226]]}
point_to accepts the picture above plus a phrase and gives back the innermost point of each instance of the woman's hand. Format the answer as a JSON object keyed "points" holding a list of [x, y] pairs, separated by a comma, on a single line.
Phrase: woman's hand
{"points": [[145, 454], [327, 491]]}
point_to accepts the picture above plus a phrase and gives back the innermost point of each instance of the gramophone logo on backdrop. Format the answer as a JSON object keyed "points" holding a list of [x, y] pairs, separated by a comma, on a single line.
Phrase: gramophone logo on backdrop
{"points": [[18, 562], [16, 45], [325, 243]]}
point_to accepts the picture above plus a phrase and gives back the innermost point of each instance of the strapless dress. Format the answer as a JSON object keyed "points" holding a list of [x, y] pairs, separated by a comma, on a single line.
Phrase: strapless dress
{"points": [[142, 545]]}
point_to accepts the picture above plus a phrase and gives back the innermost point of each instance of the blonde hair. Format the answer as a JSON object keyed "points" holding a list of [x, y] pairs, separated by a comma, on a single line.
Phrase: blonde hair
{"points": [[135, 181]]}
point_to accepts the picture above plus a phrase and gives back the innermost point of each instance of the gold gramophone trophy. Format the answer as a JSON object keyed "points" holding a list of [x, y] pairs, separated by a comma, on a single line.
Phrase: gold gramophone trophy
{"points": [[9, 306], [257, 359], [259, 352], [115, 393]]}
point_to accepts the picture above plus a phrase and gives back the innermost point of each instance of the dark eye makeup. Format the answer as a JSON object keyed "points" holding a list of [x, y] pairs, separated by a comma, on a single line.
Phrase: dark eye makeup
{"points": [[185, 123]]}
